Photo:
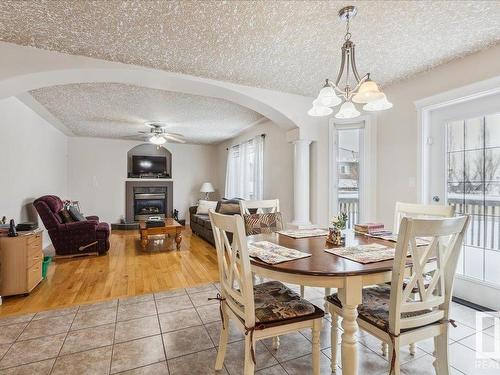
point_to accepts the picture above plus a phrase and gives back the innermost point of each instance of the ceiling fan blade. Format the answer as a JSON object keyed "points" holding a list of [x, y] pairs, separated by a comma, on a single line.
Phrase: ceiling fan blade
{"points": [[174, 137], [135, 136]]}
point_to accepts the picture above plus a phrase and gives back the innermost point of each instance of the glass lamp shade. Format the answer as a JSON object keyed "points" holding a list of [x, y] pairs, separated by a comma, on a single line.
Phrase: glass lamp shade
{"points": [[328, 98], [378, 105], [347, 110], [157, 140], [319, 110], [367, 92]]}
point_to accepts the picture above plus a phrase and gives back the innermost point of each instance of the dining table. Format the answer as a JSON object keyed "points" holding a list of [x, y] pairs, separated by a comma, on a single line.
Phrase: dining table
{"points": [[326, 270]]}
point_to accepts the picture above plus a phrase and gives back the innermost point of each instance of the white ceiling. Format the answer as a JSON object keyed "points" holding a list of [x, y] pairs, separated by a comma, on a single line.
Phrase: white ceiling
{"points": [[283, 45], [113, 110]]}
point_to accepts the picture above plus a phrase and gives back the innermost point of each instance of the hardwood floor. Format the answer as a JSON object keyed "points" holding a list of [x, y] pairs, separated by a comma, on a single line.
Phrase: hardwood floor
{"points": [[125, 271]]}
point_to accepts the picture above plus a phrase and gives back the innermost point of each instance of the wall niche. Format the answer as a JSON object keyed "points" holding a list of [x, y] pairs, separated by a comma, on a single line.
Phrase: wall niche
{"points": [[149, 161]]}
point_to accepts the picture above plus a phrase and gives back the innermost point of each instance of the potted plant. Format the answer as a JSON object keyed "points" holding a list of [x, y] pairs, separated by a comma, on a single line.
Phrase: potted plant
{"points": [[337, 225]]}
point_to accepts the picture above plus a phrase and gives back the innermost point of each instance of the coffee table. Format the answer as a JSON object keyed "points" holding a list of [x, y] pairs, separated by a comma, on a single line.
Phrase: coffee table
{"points": [[171, 227]]}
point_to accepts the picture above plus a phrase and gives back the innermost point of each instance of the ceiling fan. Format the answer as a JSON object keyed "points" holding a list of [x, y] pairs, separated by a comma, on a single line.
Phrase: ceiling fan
{"points": [[158, 134]]}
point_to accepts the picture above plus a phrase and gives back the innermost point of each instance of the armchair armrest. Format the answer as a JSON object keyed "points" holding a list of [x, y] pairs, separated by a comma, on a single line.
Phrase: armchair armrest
{"points": [[89, 225], [192, 210], [93, 218]]}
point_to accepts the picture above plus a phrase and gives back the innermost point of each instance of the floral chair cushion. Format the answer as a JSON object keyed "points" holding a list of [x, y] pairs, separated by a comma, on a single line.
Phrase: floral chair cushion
{"points": [[263, 223], [375, 307], [275, 302]]}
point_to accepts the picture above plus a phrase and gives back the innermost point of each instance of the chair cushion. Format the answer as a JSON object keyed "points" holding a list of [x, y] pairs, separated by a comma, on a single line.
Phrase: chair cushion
{"points": [[76, 214], [375, 307], [228, 207], [274, 302], [65, 216], [263, 223]]}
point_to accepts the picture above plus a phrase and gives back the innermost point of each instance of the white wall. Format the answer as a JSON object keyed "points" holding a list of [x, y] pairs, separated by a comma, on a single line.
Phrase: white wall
{"points": [[397, 127], [97, 170], [33, 161], [278, 164]]}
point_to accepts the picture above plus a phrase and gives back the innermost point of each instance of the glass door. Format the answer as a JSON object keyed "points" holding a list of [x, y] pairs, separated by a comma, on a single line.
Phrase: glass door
{"points": [[464, 172]]}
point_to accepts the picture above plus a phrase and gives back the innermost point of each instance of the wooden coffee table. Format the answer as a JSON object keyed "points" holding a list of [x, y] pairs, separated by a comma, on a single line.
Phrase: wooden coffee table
{"points": [[171, 227]]}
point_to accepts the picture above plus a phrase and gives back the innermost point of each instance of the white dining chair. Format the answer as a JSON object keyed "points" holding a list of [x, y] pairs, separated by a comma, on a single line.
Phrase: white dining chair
{"points": [[416, 211], [390, 313], [261, 311], [260, 206], [420, 211]]}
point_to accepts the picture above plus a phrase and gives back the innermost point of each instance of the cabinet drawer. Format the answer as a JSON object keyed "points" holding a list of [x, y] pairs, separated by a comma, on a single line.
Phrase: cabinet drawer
{"points": [[34, 275], [36, 238], [33, 257]]}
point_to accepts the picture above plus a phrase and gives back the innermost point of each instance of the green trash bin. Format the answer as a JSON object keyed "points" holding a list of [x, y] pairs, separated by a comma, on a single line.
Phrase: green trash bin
{"points": [[45, 266]]}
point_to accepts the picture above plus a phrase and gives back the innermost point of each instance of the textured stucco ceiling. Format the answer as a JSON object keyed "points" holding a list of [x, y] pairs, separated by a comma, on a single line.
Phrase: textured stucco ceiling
{"points": [[283, 45], [113, 110]]}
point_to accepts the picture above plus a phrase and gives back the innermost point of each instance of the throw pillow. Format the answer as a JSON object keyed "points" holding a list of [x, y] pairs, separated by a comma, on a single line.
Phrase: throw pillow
{"points": [[75, 214], [228, 207], [263, 223], [204, 206], [65, 216]]}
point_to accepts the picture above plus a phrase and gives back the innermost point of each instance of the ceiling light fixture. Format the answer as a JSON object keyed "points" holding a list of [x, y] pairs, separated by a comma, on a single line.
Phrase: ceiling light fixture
{"points": [[157, 140], [364, 90]]}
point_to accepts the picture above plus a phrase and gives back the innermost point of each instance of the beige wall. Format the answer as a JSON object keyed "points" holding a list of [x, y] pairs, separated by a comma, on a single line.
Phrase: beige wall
{"points": [[33, 161], [397, 127], [98, 170], [278, 164]]}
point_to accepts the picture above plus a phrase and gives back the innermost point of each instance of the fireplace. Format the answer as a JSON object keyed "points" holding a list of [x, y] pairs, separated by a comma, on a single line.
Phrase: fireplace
{"points": [[148, 198], [149, 201]]}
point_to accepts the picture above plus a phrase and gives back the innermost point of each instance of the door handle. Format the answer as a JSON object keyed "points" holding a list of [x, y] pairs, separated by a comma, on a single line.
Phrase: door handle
{"points": [[435, 198]]}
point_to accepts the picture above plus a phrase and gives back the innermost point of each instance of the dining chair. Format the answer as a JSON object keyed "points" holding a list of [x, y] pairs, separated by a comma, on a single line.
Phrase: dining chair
{"points": [[259, 311], [260, 206], [390, 313], [421, 211], [415, 211]]}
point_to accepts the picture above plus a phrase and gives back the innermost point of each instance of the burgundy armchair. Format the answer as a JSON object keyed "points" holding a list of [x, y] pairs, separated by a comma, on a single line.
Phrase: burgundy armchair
{"points": [[72, 238]]}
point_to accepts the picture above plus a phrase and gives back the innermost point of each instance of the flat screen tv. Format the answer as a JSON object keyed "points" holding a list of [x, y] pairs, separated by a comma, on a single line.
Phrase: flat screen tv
{"points": [[149, 165]]}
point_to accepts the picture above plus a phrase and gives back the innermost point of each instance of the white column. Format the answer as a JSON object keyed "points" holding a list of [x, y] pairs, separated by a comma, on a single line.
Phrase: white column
{"points": [[301, 184]]}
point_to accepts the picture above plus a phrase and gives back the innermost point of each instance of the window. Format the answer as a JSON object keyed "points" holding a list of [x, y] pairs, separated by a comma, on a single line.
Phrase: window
{"points": [[245, 170], [348, 156]]}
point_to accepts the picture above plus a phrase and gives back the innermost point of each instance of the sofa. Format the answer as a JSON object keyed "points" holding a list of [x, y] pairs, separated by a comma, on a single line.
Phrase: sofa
{"points": [[200, 223], [85, 236]]}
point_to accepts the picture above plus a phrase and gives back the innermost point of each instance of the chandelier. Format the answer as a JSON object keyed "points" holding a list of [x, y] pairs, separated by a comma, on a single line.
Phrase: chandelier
{"points": [[364, 90]]}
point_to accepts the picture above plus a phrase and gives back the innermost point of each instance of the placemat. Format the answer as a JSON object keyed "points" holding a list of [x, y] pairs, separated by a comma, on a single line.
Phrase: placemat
{"points": [[303, 233], [393, 237], [272, 253], [365, 253]]}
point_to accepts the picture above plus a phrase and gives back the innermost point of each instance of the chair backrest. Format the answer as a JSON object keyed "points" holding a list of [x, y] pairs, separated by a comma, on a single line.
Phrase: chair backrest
{"points": [[234, 265], [48, 207], [260, 207], [432, 302], [420, 211]]}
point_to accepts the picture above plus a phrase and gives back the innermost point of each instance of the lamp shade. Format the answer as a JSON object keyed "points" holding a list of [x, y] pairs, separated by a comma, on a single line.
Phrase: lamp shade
{"points": [[319, 110], [347, 110], [328, 98], [378, 105], [368, 92], [207, 187]]}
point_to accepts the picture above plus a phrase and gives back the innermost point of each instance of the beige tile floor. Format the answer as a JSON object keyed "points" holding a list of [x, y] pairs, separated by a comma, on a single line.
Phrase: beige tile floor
{"points": [[176, 333]]}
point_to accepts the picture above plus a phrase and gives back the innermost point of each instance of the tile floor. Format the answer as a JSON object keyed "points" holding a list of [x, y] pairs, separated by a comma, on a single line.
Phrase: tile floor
{"points": [[176, 333]]}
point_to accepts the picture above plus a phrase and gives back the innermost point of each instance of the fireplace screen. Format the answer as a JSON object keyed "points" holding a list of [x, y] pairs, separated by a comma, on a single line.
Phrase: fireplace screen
{"points": [[146, 205]]}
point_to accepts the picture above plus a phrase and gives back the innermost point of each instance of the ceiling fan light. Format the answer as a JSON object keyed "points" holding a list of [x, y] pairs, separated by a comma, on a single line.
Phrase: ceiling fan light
{"points": [[347, 110], [157, 140], [367, 92], [319, 110], [378, 105]]}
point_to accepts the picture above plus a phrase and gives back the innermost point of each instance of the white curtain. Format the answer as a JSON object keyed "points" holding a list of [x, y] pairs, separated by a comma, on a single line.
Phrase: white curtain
{"points": [[245, 170]]}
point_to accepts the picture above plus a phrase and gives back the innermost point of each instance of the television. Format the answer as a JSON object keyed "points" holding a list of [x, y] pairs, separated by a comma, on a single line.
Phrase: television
{"points": [[143, 164]]}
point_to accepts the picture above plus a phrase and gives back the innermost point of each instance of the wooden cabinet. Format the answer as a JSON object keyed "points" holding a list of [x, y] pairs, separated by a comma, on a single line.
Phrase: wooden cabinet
{"points": [[21, 260]]}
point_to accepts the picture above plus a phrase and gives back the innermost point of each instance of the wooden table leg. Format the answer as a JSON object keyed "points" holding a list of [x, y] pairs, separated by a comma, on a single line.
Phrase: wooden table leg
{"points": [[178, 239], [144, 239], [350, 296]]}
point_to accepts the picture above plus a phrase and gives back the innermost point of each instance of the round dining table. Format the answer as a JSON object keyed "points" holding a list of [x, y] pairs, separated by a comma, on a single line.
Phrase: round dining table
{"points": [[326, 270]]}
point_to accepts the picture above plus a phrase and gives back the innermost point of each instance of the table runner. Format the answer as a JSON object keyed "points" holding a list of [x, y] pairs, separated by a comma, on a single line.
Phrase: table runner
{"points": [[303, 233]]}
